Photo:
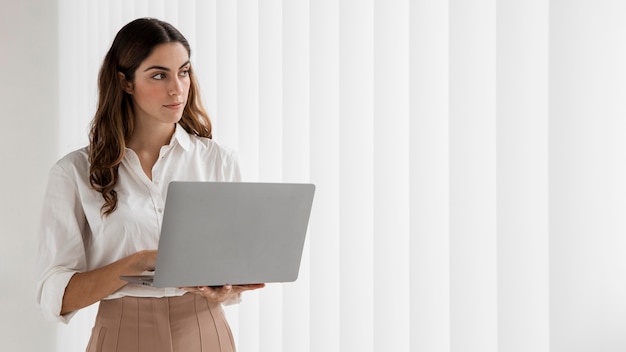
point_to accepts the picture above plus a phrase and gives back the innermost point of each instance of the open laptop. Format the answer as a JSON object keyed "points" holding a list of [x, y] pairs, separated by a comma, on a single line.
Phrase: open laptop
{"points": [[217, 233]]}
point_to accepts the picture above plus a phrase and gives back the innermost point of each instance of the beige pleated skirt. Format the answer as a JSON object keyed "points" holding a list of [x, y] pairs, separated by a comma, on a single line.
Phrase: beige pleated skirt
{"points": [[188, 323]]}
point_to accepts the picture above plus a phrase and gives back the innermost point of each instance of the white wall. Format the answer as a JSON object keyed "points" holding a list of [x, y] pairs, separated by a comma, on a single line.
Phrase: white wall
{"points": [[28, 109], [522, 42], [587, 176], [475, 145]]}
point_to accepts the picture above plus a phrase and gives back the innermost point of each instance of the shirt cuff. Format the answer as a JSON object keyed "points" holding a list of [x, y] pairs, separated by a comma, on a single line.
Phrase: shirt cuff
{"points": [[233, 300], [51, 296]]}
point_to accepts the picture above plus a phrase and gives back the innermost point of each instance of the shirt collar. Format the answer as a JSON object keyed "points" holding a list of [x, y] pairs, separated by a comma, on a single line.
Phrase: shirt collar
{"points": [[181, 136]]}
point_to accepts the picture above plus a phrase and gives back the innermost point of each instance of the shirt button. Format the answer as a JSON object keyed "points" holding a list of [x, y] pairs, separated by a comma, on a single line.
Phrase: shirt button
{"points": [[160, 210]]}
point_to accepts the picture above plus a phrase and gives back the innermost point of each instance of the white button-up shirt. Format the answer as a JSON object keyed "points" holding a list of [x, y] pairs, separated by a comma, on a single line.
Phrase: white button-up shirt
{"points": [[74, 237]]}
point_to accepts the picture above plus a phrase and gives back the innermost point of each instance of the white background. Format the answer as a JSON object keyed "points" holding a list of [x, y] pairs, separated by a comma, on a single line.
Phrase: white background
{"points": [[469, 157]]}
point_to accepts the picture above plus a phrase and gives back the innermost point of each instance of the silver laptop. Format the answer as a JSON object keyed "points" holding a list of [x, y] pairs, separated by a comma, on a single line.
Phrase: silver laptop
{"points": [[217, 233]]}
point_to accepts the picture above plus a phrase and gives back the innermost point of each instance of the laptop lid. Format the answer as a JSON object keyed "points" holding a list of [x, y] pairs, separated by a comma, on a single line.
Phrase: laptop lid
{"points": [[216, 233]]}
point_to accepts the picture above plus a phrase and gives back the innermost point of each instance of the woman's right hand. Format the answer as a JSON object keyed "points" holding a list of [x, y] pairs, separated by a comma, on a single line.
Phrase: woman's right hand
{"points": [[143, 261], [89, 287]]}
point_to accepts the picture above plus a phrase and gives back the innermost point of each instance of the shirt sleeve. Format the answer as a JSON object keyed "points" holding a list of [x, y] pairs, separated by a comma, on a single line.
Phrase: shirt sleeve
{"points": [[61, 243], [233, 172]]}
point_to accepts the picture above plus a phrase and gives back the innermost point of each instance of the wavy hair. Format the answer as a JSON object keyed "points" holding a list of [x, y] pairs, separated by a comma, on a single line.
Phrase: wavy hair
{"points": [[113, 122]]}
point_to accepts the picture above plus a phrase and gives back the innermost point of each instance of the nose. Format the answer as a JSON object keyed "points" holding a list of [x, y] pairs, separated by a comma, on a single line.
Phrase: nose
{"points": [[176, 86]]}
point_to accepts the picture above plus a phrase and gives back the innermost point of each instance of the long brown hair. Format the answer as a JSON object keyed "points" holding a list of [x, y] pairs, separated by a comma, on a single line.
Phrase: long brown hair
{"points": [[113, 122]]}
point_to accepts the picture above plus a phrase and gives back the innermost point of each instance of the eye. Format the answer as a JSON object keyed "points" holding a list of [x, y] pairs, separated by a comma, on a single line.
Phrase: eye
{"points": [[159, 76], [184, 73]]}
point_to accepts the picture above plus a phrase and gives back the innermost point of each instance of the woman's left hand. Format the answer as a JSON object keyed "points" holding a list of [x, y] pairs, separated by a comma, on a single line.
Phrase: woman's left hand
{"points": [[222, 293]]}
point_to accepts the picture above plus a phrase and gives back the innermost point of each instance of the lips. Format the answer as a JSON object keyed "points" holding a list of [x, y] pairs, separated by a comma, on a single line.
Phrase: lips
{"points": [[174, 105]]}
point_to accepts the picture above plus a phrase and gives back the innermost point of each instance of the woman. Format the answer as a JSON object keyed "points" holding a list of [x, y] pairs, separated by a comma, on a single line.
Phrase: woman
{"points": [[103, 205]]}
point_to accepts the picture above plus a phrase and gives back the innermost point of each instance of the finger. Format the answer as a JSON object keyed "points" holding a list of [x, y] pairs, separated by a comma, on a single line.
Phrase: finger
{"points": [[206, 292], [251, 286], [216, 292], [223, 291], [191, 290], [242, 288]]}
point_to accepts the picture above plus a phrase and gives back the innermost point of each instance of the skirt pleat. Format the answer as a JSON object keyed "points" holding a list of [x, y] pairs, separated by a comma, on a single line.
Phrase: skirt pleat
{"points": [[187, 323]]}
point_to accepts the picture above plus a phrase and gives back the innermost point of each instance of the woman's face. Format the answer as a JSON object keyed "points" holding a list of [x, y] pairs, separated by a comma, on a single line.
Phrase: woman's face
{"points": [[161, 85]]}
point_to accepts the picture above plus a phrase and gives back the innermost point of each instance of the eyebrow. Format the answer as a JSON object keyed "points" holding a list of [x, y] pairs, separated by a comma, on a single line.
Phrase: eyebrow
{"points": [[162, 68]]}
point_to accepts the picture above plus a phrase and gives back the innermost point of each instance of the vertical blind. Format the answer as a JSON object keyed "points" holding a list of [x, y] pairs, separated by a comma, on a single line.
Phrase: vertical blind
{"points": [[425, 127], [389, 107]]}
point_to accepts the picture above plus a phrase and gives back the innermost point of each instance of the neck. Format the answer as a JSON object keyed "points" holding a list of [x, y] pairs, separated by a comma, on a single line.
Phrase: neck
{"points": [[151, 137]]}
